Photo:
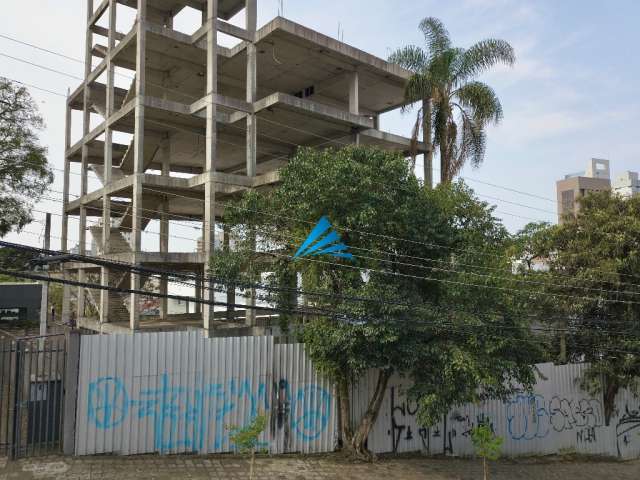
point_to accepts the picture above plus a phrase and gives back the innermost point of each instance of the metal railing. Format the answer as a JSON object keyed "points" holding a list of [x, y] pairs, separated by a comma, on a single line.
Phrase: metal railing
{"points": [[32, 375]]}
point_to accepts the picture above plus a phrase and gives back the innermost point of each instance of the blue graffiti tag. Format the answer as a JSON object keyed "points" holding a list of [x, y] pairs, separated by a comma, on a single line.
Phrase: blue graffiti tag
{"points": [[312, 408], [108, 402], [195, 417], [527, 417]]}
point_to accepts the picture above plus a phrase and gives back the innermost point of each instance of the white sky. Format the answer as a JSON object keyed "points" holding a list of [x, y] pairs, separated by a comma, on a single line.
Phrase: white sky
{"points": [[572, 95]]}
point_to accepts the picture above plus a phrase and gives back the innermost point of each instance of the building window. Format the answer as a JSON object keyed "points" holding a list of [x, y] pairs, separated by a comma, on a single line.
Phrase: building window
{"points": [[567, 200]]}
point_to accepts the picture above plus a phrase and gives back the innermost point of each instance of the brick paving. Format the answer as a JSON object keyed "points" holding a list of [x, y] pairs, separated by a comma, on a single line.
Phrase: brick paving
{"points": [[315, 467]]}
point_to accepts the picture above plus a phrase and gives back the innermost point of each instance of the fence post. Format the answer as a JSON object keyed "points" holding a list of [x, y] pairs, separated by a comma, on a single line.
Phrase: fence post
{"points": [[17, 389], [72, 367]]}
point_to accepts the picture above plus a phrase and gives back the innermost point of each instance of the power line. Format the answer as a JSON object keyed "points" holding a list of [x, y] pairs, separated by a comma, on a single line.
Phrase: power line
{"points": [[7, 37], [41, 66], [207, 279], [448, 326], [407, 264], [512, 278], [33, 86]]}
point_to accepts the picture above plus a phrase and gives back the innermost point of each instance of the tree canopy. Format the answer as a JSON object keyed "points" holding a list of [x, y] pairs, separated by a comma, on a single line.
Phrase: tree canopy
{"points": [[24, 172], [405, 303], [592, 287]]}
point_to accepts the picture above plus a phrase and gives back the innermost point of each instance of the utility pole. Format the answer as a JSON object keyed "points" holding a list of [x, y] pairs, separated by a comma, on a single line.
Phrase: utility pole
{"points": [[44, 303]]}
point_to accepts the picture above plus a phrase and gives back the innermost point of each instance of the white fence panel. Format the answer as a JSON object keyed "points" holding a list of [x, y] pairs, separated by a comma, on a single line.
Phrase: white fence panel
{"points": [[177, 392], [558, 416], [303, 417]]}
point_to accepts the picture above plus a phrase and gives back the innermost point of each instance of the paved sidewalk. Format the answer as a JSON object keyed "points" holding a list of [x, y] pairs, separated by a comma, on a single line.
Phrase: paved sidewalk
{"points": [[307, 468]]}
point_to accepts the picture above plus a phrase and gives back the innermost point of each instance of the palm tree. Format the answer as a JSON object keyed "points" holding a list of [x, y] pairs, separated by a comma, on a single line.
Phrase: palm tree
{"points": [[455, 108]]}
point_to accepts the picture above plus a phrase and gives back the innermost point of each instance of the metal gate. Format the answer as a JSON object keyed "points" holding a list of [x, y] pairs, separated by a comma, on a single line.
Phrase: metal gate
{"points": [[31, 395]]}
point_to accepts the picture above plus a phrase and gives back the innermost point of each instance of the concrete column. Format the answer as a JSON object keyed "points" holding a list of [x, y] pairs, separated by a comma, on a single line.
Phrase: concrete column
{"points": [[252, 135], [252, 87], [250, 314], [44, 299], [164, 229], [108, 163], [210, 156], [64, 235], [72, 369], [231, 289], [138, 160], [86, 125], [198, 287], [354, 93], [164, 248]]}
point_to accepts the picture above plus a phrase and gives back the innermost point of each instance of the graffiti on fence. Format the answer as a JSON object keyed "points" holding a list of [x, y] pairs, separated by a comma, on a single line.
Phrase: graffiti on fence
{"points": [[196, 417], [627, 428], [532, 416], [403, 412], [404, 425]]}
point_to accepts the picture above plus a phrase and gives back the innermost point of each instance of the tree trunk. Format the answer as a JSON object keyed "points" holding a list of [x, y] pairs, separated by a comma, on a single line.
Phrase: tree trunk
{"points": [[610, 393], [251, 465], [345, 413], [485, 468], [426, 138], [357, 445]]}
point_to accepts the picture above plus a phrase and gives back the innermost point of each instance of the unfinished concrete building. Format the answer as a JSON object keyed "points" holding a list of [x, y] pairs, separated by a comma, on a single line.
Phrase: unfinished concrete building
{"points": [[208, 123]]}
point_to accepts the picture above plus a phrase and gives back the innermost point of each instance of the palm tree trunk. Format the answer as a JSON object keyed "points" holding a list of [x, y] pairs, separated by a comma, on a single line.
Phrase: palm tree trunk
{"points": [[444, 160], [426, 138]]}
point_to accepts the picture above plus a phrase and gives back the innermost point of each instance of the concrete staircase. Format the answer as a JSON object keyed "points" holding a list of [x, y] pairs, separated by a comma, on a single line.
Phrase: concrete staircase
{"points": [[118, 311]]}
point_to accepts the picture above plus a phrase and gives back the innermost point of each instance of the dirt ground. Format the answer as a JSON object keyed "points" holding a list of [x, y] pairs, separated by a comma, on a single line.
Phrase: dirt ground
{"points": [[320, 467]]}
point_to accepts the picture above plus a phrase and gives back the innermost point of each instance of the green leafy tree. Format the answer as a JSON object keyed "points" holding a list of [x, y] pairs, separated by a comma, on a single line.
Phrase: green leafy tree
{"points": [[531, 245], [387, 309], [487, 445], [24, 172], [455, 106], [594, 265], [247, 439]]}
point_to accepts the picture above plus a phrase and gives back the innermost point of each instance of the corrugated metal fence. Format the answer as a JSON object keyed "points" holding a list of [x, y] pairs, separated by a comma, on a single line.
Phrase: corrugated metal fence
{"points": [[180, 392], [558, 416]]}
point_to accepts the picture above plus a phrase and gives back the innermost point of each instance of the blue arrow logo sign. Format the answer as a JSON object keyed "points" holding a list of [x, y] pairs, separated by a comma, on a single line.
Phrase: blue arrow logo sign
{"points": [[317, 243]]}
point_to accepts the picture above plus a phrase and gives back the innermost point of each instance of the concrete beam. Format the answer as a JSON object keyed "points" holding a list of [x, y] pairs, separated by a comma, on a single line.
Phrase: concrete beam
{"points": [[104, 32], [98, 13], [223, 101], [99, 70], [312, 108], [234, 31]]}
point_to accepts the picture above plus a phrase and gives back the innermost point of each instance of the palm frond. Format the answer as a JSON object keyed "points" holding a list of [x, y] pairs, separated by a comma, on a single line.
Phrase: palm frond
{"points": [[436, 35], [419, 87], [472, 144], [484, 55], [410, 57], [481, 100], [443, 67]]}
